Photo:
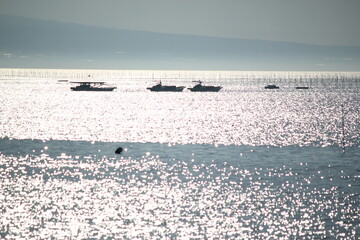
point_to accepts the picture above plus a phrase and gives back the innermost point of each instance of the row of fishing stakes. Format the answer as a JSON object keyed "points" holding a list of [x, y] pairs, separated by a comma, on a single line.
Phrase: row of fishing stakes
{"points": [[285, 79]]}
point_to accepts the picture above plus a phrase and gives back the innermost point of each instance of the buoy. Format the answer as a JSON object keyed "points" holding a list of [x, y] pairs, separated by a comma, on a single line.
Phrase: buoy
{"points": [[119, 150]]}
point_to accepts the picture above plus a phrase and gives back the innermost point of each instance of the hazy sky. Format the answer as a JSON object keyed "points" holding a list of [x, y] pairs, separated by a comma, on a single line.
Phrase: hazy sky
{"points": [[330, 22]]}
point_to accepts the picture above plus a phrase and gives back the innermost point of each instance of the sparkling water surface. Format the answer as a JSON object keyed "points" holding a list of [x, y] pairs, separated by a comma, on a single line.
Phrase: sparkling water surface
{"points": [[243, 163]]}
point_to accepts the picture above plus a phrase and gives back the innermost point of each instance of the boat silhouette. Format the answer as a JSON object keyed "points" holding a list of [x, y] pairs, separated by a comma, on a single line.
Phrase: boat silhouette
{"points": [[202, 88], [271, 86], [165, 88], [92, 86]]}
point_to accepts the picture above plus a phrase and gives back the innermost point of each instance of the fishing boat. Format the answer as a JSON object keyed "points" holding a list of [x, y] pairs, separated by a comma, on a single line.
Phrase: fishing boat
{"points": [[271, 86], [163, 88], [301, 85], [202, 88], [92, 86]]}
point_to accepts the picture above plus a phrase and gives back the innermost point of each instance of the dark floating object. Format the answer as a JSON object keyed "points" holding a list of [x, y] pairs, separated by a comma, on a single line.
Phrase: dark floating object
{"points": [[163, 88], [301, 87], [271, 87], [201, 88], [92, 86], [118, 150]]}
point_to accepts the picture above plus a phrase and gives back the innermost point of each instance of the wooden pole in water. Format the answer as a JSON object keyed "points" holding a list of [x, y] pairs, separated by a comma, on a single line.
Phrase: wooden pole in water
{"points": [[343, 128]]}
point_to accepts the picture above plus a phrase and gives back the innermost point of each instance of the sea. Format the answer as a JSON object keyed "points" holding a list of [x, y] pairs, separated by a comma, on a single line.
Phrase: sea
{"points": [[242, 163]]}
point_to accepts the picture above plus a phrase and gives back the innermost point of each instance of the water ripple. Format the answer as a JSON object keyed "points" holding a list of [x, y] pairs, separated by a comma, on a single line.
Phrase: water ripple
{"points": [[241, 118], [156, 191]]}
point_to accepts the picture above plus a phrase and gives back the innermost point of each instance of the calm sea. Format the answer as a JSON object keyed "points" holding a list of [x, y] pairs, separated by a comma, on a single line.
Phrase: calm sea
{"points": [[243, 163]]}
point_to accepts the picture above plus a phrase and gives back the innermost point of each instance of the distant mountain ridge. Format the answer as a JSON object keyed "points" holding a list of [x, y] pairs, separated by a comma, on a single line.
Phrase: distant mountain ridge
{"points": [[26, 42]]}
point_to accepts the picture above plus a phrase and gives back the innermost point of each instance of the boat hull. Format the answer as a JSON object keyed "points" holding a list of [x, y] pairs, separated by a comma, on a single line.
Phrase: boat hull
{"points": [[271, 87], [166, 89], [93, 89], [205, 89]]}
